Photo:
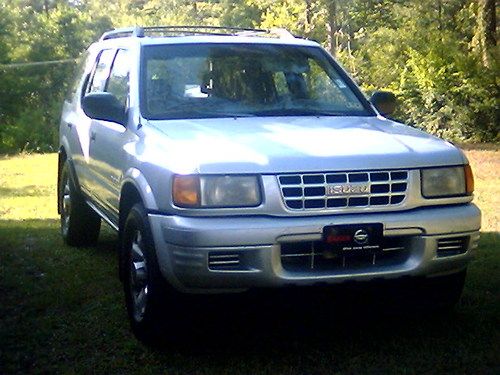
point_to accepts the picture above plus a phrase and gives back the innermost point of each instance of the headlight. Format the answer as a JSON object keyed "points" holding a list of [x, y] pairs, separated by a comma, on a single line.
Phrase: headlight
{"points": [[216, 191], [447, 182]]}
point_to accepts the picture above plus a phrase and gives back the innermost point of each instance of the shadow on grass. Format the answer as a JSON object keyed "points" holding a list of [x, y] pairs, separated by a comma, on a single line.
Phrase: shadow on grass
{"points": [[352, 326], [26, 191], [45, 235]]}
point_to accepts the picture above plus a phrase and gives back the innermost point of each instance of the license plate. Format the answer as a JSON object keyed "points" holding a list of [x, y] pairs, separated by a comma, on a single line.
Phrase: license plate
{"points": [[354, 238]]}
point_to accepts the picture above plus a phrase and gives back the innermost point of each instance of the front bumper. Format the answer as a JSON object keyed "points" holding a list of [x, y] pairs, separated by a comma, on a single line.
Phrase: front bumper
{"points": [[222, 254]]}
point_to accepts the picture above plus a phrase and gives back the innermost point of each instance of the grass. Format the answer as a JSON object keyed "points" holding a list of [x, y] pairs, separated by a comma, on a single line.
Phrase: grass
{"points": [[61, 309], [486, 167]]}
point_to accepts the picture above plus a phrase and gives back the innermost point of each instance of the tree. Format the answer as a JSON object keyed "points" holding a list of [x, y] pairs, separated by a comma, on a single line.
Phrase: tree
{"points": [[439, 56], [486, 31]]}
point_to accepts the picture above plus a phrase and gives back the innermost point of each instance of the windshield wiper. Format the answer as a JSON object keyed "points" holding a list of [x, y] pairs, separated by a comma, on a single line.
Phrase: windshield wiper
{"points": [[191, 114], [201, 110], [296, 112], [229, 114]]}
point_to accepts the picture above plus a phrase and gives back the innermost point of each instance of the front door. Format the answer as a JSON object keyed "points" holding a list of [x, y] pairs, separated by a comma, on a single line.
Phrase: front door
{"points": [[107, 152]]}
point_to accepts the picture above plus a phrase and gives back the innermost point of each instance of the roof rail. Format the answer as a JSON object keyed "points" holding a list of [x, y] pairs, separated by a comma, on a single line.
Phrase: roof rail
{"points": [[140, 32], [123, 32], [281, 32]]}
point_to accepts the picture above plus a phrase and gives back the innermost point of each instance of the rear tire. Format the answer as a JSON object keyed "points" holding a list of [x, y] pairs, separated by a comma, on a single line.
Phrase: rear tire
{"points": [[80, 225], [147, 293]]}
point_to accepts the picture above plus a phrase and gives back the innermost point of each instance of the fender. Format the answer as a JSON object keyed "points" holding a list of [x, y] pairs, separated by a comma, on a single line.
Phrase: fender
{"points": [[135, 176], [65, 148]]}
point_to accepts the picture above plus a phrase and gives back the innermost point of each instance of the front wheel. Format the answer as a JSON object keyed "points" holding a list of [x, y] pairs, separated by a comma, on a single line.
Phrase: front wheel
{"points": [[146, 291]]}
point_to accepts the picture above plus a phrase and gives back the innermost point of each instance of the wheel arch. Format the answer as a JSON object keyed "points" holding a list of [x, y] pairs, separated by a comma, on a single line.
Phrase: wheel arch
{"points": [[135, 188], [62, 156]]}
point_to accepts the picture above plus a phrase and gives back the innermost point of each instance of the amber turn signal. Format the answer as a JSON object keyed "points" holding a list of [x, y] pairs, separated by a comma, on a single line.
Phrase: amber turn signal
{"points": [[469, 179], [186, 191]]}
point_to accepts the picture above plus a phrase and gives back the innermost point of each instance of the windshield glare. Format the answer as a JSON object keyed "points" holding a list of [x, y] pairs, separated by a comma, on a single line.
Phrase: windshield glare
{"points": [[239, 80]]}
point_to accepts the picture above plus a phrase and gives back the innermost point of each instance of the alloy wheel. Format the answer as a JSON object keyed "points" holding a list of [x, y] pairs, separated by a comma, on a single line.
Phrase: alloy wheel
{"points": [[66, 208], [138, 277]]}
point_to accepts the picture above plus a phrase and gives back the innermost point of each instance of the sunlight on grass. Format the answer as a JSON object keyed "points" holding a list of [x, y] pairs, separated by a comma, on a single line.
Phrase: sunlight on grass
{"points": [[28, 187], [486, 168]]}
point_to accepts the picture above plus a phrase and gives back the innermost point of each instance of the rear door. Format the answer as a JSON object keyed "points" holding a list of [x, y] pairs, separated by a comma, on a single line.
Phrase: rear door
{"points": [[75, 125], [96, 82]]}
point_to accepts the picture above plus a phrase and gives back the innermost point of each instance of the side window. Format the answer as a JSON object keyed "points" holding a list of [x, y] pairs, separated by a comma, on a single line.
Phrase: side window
{"points": [[101, 71], [331, 90], [118, 79]]}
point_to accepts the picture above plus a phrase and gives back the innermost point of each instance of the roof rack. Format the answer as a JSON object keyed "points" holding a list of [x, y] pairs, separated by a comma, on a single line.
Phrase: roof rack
{"points": [[124, 32], [140, 32]]}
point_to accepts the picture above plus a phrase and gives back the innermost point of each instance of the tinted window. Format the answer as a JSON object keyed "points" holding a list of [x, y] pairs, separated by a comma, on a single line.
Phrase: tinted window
{"points": [[226, 80], [118, 79]]}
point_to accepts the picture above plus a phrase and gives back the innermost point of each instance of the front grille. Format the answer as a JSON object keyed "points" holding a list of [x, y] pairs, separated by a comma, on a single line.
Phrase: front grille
{"points": [[317, 256], [452, 246], [223, 261], [343, 189]]}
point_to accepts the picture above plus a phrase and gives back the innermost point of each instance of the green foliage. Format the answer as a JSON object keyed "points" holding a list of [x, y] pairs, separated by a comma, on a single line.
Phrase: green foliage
{"points": [[31, 96], [445, 93], [430, 62], [34, 129], [430, 53]]}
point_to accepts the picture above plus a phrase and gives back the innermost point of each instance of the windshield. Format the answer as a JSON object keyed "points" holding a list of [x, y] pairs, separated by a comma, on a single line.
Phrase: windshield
{"points": [[240, 80]]}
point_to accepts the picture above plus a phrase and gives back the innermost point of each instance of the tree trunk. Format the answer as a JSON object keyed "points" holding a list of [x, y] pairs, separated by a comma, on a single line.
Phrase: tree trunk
{"points": [[331, 26], [487, 31], [308, 18]]}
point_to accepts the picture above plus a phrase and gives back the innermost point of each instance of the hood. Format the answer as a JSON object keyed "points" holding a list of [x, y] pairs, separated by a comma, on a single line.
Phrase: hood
{"points": [[293, 144]]}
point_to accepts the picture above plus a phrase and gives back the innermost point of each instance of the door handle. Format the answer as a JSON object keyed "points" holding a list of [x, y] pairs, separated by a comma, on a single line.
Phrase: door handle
{"points": [[92, 136], [70, 125]]}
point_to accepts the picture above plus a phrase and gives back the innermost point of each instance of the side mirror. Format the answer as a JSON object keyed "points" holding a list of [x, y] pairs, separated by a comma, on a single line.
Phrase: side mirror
{"points": [[104, 106], [384, 101]]}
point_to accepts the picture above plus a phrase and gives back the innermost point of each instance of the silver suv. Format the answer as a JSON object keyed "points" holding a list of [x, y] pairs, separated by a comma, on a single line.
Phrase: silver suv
{"points": [[228, 159]]}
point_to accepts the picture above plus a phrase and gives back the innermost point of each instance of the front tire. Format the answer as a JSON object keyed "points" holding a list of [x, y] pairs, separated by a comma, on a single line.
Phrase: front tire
{"points": [[80, 225], [146, 291]]}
